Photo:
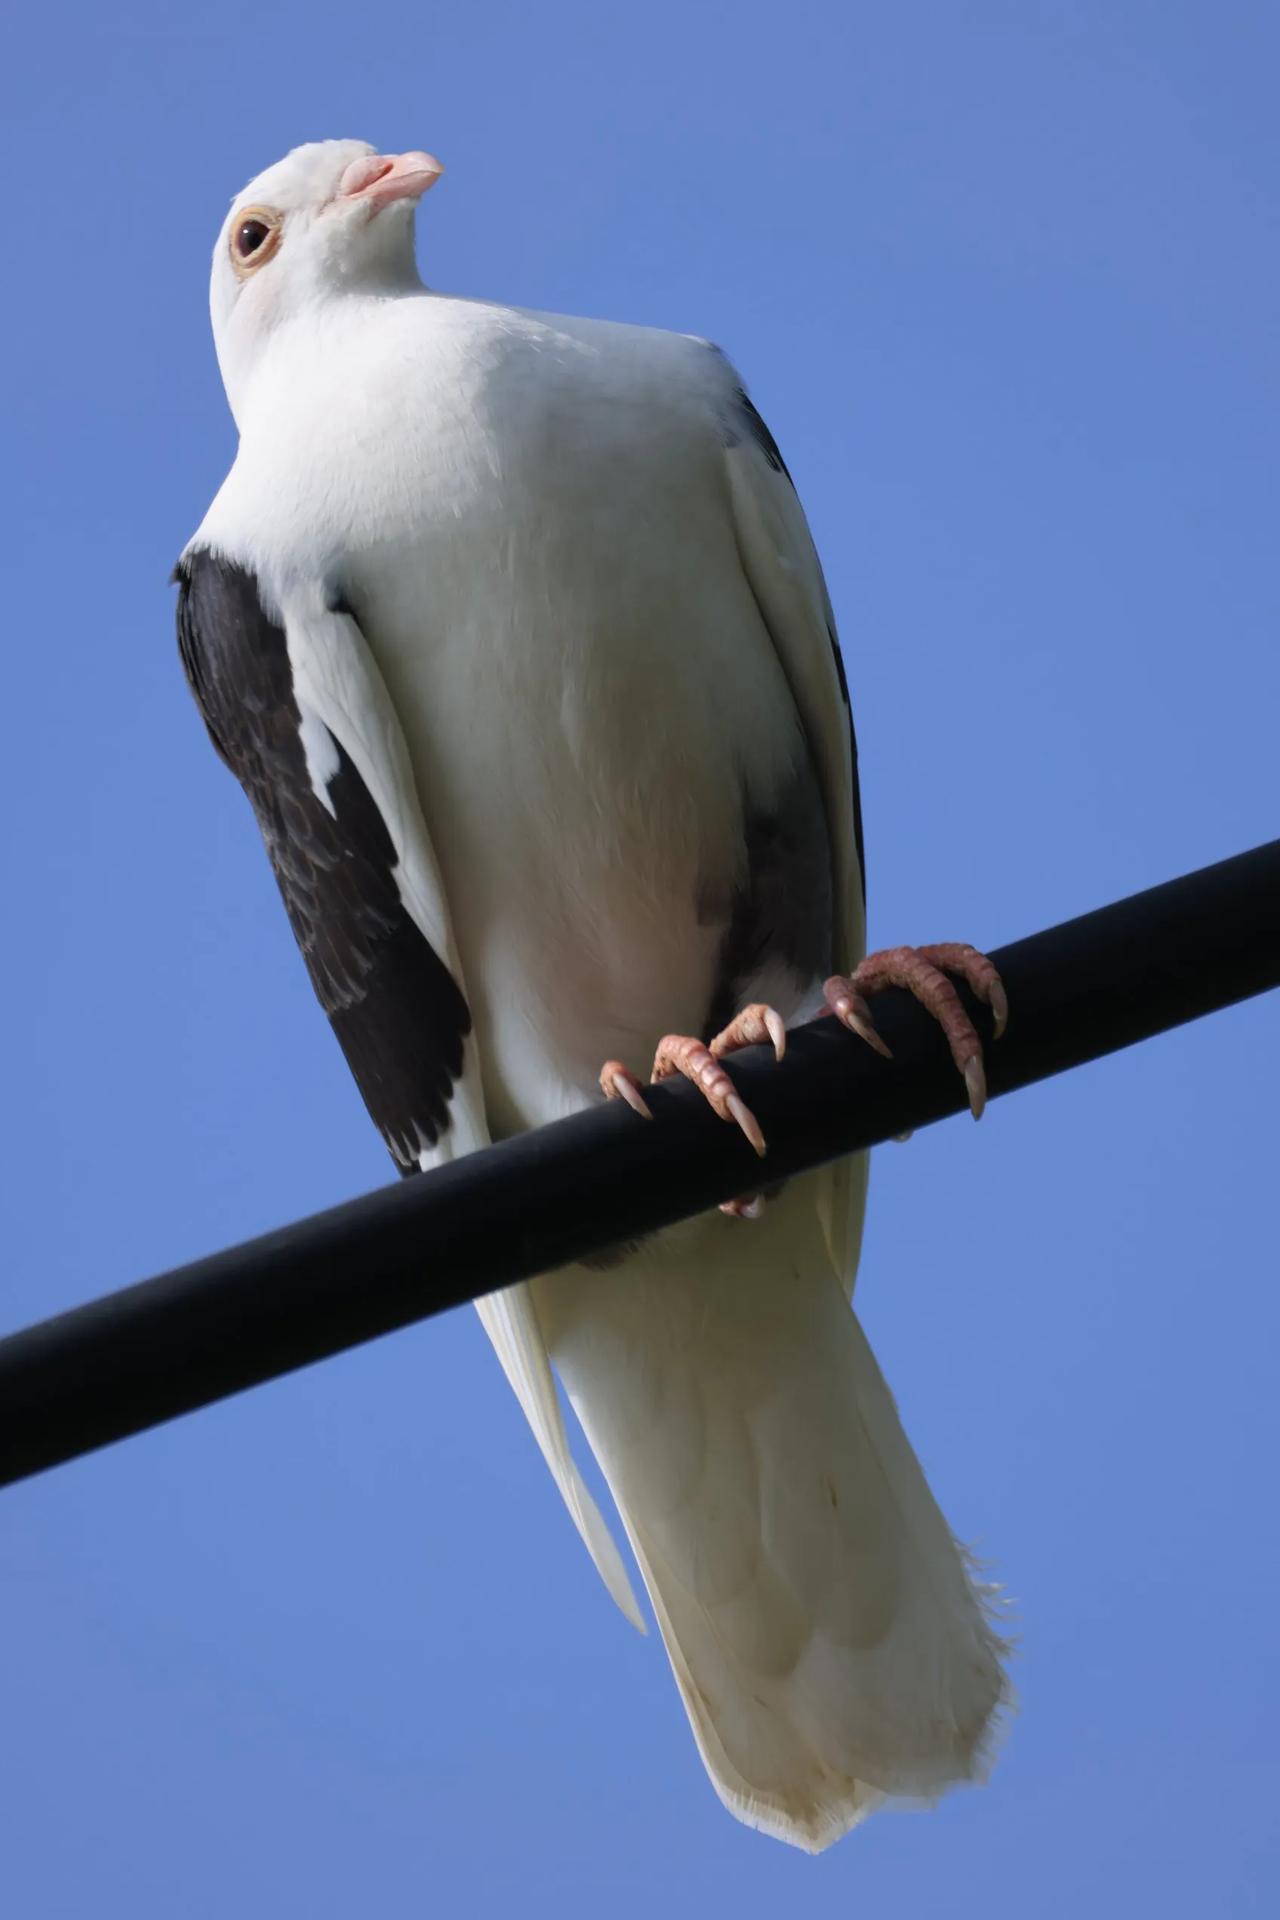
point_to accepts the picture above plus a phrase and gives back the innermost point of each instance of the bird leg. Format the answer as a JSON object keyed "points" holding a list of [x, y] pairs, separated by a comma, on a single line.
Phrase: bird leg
{"points": [[923, 972]]}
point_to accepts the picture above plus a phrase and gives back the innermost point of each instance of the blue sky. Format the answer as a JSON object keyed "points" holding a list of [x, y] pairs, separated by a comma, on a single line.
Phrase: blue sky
{"points": [[1003, 279]]}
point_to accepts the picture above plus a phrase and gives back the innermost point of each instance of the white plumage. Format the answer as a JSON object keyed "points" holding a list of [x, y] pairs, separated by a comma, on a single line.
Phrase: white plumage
{"points": [[538, 591]]}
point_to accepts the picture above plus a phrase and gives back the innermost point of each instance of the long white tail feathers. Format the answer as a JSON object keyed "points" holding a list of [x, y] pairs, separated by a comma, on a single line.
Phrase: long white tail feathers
{"points": [[829, 1644], [509, 1320]]}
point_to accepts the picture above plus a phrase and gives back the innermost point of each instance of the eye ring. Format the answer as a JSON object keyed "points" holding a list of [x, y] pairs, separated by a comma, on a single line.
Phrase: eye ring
{"points": [[255, 237]]}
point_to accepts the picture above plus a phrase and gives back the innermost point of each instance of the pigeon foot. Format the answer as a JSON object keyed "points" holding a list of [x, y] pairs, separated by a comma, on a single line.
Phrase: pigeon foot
{"points": [[923, 972], [700, 1064]]}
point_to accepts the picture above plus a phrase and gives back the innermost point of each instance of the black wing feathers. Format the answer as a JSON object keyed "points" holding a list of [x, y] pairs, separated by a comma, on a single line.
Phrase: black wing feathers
{"points": [[397, 1011], [853, 749], [738, 422]]}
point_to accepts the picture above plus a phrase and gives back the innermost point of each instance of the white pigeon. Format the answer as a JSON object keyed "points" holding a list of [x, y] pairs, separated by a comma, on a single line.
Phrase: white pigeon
{"points": [[512, 629]]}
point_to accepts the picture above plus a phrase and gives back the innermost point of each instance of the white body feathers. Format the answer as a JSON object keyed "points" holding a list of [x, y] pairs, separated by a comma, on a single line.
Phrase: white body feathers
{"points": [[561, 623]]}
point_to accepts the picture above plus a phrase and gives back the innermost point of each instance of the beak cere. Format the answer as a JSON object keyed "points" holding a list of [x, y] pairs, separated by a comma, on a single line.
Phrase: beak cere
{"points": [[380, 178]]}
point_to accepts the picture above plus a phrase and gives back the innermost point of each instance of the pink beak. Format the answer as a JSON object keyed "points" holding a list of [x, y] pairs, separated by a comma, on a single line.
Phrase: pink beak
{"points": [[380, 178]]}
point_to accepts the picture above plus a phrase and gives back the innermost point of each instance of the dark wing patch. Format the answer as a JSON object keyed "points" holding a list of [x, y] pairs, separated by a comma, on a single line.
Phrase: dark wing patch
{"points": [[740, 422], [399, 1015], [783, 908], [759, 432], [853, 754]]}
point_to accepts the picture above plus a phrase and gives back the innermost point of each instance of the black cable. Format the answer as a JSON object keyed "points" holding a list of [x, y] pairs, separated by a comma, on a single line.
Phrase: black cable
{"points": [[166, 1346]]}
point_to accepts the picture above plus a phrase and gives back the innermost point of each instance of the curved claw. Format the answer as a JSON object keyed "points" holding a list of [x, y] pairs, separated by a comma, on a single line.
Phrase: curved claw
{"points": [[751, 1028], [975, 1080], [617, 1083], [626, 1089], [680, 1053], [852, 1011], [747, 1121], [998, 1000]]}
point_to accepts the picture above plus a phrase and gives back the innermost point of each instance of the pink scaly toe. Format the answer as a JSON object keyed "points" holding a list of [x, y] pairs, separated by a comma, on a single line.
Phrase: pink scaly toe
{"points": [[923, 971]]}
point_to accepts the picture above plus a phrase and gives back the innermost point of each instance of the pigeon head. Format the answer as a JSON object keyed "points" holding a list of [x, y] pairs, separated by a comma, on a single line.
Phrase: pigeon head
{"points": [[331, 218]]}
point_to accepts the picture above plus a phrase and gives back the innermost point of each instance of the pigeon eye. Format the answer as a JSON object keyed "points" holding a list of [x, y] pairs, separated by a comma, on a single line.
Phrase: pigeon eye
{"points": [[254, 239], [250, 237]]}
